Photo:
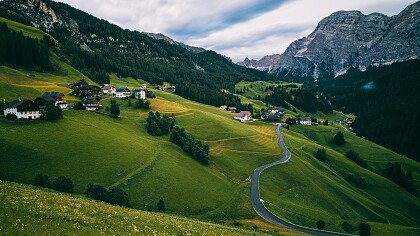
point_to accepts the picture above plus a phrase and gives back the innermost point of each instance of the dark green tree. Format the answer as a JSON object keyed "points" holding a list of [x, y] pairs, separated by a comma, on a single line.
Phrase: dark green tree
{"points": [[63, 184], [339, 139], [364, 229], [347, 227], [320, 224], [161, 205], [52, 112], [114, 109], [321, 154], [96, 191], [118, 197], [79, 106], [42, 180]]}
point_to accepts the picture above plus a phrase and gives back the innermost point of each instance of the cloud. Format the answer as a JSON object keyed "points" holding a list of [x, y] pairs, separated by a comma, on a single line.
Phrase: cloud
{"points": [[236, 28]]}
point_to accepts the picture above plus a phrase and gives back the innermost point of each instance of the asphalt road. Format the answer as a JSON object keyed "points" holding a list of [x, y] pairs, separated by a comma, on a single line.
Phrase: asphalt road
{"points": [[258, 204]]}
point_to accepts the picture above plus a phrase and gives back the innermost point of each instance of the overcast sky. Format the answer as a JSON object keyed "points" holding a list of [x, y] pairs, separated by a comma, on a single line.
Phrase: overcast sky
{"points": [[235, 28]]}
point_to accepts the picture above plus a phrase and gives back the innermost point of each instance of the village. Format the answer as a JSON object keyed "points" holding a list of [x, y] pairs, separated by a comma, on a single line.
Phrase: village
{"points": [[90, 97]]}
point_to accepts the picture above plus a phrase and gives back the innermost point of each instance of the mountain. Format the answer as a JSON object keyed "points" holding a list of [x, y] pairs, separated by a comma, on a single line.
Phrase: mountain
{"points": [[264, 64], [171, 41], [349, 39], [98, 48]]}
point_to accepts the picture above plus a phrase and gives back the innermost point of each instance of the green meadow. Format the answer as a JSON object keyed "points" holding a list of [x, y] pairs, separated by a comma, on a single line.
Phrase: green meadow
{"points": [[28, 210], [308, 190]]}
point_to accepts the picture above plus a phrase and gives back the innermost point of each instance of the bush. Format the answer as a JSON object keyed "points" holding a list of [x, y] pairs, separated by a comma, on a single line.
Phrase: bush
{"points": [[320, 224], [364, 229], [161, 205], [347, 227], [52, 112], [117, 196], [113, 195], [354, 156], [129, 102], [11, 117], [197, 149], [321, 154], [42, 180], [339, 139], [96, 191], [359, 181], [63, 184], [405, 180], [114, 109]]}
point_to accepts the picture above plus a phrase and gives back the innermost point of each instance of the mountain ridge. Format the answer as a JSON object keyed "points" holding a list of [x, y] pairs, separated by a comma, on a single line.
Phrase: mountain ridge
{"points": [[348, 39]]}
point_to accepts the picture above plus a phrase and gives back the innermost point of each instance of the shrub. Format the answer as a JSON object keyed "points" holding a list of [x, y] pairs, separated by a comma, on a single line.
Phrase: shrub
{"points": [[42, 180], [321, 154], [129, 102], [117, 196], [63, 184], [320, 224], [11, 117], [354, 156], [96, 191], [339, 139], [364, 229], [113, 195], [347, 227], [161, 205]]}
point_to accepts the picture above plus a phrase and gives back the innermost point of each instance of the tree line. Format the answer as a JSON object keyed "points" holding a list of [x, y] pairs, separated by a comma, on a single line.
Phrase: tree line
{"points": [[196, 148], [158, 125], [24, 51]]}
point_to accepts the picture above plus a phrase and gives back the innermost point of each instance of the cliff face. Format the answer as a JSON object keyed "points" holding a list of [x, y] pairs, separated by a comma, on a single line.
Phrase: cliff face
{"points": [[347, 39]]}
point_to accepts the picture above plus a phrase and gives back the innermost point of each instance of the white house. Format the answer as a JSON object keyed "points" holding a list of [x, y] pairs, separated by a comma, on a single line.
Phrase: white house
{"points": [[305, 121], [140, 94], [109, 90], [144, 85], [23, 109], [224, 107], [242, 116], [122, 92]]}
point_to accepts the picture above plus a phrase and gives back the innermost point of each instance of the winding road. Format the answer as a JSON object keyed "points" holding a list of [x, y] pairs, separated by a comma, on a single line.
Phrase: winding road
{"points": [[258, 204]]}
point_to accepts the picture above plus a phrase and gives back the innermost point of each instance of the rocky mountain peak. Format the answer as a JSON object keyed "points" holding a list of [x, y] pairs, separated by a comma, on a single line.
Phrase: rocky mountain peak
{"points": [[347, 39]]}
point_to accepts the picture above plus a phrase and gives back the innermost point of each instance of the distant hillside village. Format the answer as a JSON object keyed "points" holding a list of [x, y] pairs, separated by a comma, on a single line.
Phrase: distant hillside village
{"points": [[90, 99], [277, 115]]}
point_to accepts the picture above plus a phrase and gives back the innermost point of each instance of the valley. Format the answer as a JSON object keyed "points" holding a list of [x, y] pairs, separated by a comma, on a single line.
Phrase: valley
{"points": [[341, 185]]}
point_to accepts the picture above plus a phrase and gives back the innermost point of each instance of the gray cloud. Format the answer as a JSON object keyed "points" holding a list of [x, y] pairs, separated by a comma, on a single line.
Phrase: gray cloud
{"points": [[236, 28]]}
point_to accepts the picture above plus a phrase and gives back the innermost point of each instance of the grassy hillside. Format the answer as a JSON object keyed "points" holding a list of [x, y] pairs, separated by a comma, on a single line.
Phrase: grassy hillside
{"points": [[26, 210], [25, 29], [261, 88], [307, 190]]}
